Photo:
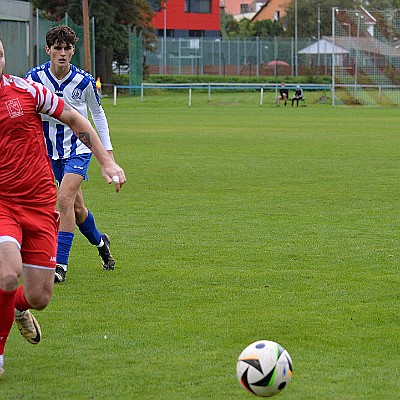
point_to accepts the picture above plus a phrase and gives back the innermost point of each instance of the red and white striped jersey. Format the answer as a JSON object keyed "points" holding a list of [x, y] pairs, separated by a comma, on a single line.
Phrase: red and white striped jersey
{"points": [[26, 175]]}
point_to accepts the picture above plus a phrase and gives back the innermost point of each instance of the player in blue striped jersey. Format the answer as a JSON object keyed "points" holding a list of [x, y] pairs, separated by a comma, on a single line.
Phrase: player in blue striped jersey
{"points": [[70, 157]]}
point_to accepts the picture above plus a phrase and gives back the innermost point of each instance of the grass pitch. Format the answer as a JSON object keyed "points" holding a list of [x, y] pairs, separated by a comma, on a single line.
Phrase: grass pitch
{"points": [[237, 223]]}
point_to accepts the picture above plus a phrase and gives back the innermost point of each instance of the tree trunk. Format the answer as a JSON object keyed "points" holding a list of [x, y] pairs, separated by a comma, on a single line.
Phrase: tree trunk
{"points": [[104, 59]]}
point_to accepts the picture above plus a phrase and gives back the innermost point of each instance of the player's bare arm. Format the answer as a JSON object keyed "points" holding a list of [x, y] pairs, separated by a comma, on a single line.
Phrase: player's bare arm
{"points": [[84, 137], [82, 128]]}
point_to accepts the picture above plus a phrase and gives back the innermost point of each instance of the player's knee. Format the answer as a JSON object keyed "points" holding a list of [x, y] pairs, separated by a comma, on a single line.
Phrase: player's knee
{"points": [[64, 202], [39, 300], [9, 280], [81, 213]]}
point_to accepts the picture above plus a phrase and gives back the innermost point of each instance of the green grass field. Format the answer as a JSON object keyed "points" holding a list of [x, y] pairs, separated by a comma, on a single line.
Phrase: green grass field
{"points": [[237, 223]]}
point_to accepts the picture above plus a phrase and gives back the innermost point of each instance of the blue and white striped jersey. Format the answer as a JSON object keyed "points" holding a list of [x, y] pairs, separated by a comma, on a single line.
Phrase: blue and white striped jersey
{"points": [[78, 89]]}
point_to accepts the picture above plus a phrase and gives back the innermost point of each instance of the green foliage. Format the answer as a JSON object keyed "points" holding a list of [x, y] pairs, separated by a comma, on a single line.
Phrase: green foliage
{"points": [[112, 21], [123, 79], [235, 79], [307, 14], [307, 17], [268, 28], [383, 4], [245, 28], [237, 223], [231, 25]]}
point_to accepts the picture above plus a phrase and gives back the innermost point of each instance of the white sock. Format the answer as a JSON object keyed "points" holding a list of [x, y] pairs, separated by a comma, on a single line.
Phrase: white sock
{"points": [[18, 313], [63, 266]]}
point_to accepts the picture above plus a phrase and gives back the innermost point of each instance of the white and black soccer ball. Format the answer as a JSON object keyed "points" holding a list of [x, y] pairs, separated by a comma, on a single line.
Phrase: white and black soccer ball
{"points": [[264, 368]]}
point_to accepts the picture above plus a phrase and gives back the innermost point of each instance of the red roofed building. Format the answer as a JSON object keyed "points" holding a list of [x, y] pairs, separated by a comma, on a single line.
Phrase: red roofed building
{"points": [[272, 9]]}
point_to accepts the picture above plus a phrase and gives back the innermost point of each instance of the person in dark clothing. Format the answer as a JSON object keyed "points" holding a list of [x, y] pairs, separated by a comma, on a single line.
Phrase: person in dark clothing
{"points": [[298, 95], [283, 94]]}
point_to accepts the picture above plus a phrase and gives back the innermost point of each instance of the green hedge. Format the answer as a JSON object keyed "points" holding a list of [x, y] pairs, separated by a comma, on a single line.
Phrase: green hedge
{"points": [[124, 79]]}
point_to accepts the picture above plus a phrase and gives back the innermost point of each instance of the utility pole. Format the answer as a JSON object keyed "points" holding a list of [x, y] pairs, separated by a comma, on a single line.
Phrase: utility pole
{"points": [[295, 39], [165, 38], [86, 35]]}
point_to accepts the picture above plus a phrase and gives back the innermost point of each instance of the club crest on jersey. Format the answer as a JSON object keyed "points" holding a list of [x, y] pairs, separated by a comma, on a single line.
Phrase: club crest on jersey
{"points": [[77, 93], [14, 108]]}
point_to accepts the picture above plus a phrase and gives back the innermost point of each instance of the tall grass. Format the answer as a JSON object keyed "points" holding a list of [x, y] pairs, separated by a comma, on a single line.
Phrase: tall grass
{"points": [[237, 223]]}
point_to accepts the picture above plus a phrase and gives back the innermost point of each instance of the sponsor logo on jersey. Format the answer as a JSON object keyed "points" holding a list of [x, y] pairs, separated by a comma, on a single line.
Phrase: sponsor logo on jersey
{"points": [[77, 93], [59, 93], [14, 108]]}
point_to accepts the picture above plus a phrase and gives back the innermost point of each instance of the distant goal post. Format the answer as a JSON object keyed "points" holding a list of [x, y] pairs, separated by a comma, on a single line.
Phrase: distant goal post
{"points": [[365, 57]]}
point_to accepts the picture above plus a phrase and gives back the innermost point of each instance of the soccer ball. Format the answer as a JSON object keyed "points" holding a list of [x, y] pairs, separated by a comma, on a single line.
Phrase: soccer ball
{"points": [[264, 368]]}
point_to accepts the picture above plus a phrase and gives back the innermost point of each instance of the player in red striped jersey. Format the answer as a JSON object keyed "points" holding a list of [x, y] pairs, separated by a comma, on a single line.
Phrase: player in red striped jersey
{"points": [[28, 218]]}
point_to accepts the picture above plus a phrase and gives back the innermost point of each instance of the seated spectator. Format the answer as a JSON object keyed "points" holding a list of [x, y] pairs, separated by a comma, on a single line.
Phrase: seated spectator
{"points": [[283, 94], [298, 95]]}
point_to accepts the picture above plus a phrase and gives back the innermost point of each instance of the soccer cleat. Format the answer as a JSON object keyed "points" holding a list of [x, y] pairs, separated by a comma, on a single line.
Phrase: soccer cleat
{"points": [[104, 253], [60, 274], [29, 327]]}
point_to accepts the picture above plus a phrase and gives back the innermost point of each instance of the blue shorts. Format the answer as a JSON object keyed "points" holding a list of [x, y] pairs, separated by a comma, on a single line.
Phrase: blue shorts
{"points": [[74, 165]]}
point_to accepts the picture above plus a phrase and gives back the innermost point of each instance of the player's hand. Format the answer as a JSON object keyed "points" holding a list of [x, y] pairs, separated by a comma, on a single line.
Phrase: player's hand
{"points": [[115, 175]]}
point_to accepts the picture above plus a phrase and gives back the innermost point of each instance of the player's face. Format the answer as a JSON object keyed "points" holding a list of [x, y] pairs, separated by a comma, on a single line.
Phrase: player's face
{"points": [[2, 59], [60, 54]]}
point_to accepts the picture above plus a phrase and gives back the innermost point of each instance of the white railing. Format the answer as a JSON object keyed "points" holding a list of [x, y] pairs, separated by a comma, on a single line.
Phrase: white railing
{"points": [[210, 87]]}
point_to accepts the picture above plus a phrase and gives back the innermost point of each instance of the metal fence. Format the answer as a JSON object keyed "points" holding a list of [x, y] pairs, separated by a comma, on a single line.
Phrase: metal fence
{"points": [[15, 32], [259, 94], [366, 54], [24, 33], [235, 57], [15, 36]]}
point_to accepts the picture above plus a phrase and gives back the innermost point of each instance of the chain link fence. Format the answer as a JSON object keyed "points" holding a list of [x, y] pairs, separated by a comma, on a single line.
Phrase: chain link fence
{"points": [[235, 57], [366, 57], [25, 42]]}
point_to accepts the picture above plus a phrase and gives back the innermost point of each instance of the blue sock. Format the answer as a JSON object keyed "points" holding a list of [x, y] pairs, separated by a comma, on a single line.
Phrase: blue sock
{"points": [[64, 247], [89, 230]]}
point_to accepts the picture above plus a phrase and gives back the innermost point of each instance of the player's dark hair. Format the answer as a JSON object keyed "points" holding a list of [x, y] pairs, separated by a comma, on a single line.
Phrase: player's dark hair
{"points": [[61, 34]]}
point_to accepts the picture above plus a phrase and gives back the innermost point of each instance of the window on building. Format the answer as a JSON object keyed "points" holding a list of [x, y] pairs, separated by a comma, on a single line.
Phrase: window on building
{"points": [[168, 32], [193, 33], [277, 15], [155, 5], [244, 8], [198, 6]]}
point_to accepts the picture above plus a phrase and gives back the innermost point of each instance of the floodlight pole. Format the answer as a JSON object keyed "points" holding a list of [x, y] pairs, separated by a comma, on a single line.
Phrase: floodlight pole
{"points": [[358, 14], [319, 34], [165, 38], [86, 35], [333, 55], [295, 39], [37, 62]]}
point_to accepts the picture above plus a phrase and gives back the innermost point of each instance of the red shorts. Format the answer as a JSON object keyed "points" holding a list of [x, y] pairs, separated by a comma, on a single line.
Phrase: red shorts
{"points": [[35, 230]]}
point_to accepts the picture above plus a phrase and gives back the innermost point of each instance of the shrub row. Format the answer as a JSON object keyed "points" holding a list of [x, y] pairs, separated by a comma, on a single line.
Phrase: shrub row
{"points": [[124, 79]]}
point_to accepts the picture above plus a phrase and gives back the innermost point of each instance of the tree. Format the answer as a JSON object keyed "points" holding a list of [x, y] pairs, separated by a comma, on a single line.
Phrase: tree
{"points": [[231, 25], [382, 4], [113, 20], [307, 14], [268, 28], [245, 28], [307, 17]]}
